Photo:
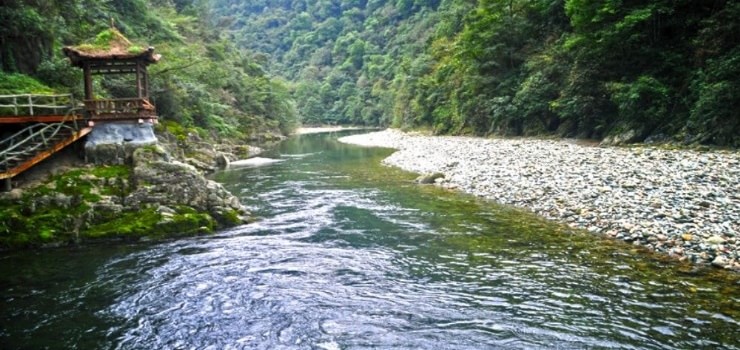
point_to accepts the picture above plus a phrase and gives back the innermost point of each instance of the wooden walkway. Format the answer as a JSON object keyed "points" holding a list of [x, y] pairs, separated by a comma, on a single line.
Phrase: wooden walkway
{"points": [[48, 124]]}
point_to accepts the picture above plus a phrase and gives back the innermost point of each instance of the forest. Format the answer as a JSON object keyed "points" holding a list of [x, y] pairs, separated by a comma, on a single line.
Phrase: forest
{"points": [[204, 83], [638, 70], [633, 70]]}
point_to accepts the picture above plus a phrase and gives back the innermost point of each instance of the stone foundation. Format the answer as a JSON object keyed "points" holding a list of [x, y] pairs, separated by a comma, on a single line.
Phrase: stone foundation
{"points": [[113, 143]]}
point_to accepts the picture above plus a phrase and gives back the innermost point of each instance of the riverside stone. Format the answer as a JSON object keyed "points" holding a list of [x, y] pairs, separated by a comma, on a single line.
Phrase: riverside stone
{"points": [[162, 182], [680, 197], [429, 178]]}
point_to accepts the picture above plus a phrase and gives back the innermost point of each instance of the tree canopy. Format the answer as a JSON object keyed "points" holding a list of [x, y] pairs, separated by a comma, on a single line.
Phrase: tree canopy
{"points": [[203, 81], [654, 69], [586, 68]]}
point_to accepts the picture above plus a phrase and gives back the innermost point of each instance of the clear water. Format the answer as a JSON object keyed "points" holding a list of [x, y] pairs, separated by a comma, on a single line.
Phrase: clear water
{"points": [[351, 255]]}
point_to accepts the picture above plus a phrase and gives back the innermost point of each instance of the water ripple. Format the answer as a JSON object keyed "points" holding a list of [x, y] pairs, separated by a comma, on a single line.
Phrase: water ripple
{"points": [[337, 263]]}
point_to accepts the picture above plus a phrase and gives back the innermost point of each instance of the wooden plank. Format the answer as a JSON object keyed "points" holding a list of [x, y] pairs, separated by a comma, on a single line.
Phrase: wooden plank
{"points": [[45, 154], [36, 119]]}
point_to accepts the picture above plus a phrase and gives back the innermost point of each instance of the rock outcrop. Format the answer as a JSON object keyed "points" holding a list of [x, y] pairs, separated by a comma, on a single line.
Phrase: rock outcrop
{"points": [[134, 189], [161, 181]]}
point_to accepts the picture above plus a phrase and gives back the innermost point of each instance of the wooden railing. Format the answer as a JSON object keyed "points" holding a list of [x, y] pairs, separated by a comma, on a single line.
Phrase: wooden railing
{"points": [[32, 138], [120, 108], [31, 104]]}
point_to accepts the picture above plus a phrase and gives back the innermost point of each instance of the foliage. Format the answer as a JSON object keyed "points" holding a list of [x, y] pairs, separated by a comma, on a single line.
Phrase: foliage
{"points": [[585, 68], [14, 83], [203, 81]]}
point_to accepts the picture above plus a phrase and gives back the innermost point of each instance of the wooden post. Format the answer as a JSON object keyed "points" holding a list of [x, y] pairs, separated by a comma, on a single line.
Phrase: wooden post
{"points": [[145, 74], [30, 104], [88, 81], [139, 87], [7, 185]]}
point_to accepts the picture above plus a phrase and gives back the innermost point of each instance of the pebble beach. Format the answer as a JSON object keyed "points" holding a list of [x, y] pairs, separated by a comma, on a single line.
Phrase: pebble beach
{"points": [[682, 203]]}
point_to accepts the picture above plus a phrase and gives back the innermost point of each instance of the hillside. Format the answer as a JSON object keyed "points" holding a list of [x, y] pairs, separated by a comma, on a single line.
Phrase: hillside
{"points": [[203, 83], [634, 70]]}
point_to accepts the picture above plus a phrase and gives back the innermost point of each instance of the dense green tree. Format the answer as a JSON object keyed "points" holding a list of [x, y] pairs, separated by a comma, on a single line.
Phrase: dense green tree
{"points": [[203, 81], [587, 68]]}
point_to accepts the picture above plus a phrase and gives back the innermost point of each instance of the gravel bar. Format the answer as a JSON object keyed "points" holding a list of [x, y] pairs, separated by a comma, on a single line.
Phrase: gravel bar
{"points": [[679, 202]]}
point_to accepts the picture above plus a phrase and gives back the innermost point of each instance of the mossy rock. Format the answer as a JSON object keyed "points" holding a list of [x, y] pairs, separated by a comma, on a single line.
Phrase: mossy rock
{"points": [[229, 218], [57, 210], [98, 203], [129, 224]]}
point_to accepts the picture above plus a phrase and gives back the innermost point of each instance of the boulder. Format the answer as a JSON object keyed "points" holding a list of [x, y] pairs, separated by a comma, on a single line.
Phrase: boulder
{"points": [[429, 178], [222, 160], [622, 138], [159, 183]]}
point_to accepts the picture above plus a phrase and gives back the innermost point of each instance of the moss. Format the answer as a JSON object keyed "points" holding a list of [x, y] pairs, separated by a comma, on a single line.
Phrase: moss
{"points": [[150, 223], [108, 172], [128, 224], [89, 184], [87, 47], [54, 211], [230, 218], [135, 50], [106, 40], [60, 211], [47, 224], [72, 184], [187, 224]]}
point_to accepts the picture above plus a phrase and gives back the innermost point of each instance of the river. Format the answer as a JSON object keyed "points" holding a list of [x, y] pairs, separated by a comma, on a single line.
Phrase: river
{"points": [[349, 254]]}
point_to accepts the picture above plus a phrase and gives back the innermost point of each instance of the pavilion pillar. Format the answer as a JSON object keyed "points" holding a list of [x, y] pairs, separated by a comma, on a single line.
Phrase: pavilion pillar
{"points": [[139, 82], [87, 72], [145, 77], [7, 185]]}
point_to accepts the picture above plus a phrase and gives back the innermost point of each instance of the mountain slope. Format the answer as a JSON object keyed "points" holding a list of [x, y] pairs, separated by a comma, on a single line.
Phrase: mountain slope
{"points": [[629, 69]]}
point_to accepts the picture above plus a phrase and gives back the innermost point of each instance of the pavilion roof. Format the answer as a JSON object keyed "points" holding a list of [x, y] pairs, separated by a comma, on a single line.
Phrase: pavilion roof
{"points": [[109, 45]]}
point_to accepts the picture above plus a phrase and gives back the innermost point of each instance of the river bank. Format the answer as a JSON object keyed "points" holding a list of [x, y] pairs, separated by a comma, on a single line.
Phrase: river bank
{"points": [[126, 192], [679, 202]]}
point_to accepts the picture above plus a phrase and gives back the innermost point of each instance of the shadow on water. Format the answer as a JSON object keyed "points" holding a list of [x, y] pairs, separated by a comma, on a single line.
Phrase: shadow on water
{"points": [[352, 254]]}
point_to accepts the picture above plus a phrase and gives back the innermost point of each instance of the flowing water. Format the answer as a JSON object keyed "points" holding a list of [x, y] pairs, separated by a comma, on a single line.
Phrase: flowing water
{"points": [[349, 254]]}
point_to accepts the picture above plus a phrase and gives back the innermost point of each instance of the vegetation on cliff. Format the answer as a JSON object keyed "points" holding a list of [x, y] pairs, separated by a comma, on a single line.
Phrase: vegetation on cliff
{"points": [[203, 82], [587, 68]]}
